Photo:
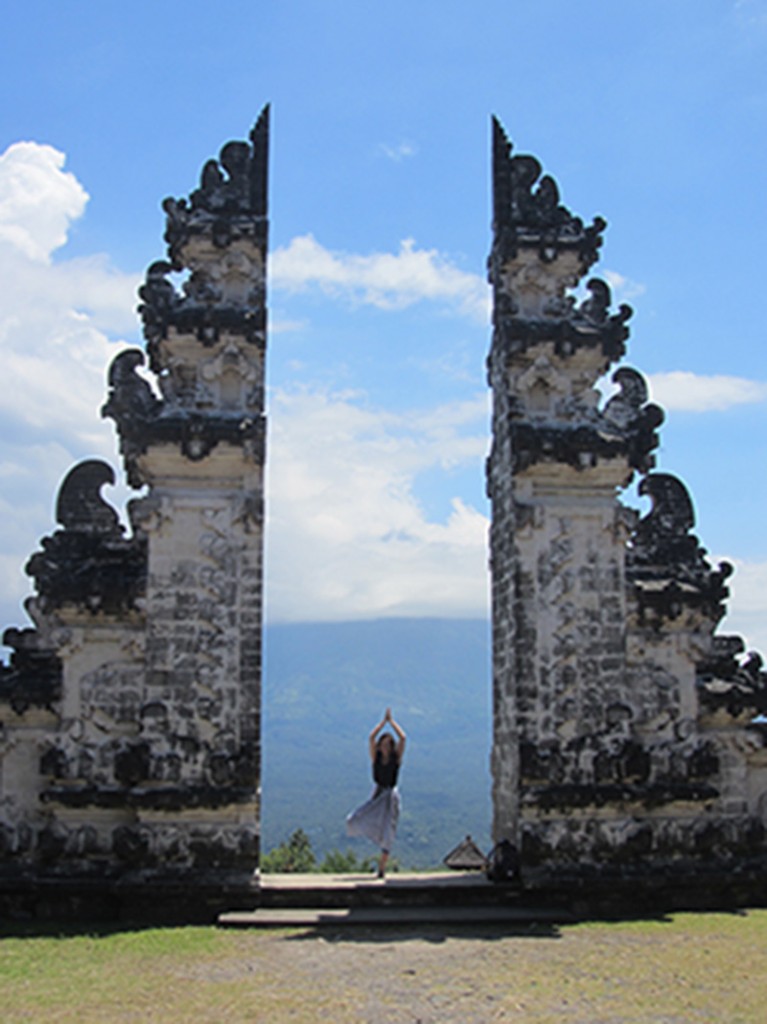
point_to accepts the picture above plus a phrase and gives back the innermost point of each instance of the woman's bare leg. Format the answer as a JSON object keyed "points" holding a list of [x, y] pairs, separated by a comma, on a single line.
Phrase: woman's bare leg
{"points": [[382, 863]]}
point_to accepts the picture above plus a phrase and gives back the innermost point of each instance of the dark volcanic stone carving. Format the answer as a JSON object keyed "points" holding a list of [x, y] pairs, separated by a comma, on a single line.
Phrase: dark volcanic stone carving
{"points": [[132, 764], [737, 687], [201, 311], [154, 798], [131, 400], [522, 212], [219, 235], [89, 563], [141, 420], [622, 771], [671, 517], [33, 677], [625, 408], [639, 419], [666, 562], [231, 201], [628, 427], [80, 507], [567, 334]]}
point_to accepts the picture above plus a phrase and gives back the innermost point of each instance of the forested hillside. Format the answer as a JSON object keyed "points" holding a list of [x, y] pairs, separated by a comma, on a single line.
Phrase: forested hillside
{"points": [[326, 685]]}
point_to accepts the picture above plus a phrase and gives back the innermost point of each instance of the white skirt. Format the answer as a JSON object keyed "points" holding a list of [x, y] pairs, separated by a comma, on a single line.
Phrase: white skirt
{"points": [[377, 818]]}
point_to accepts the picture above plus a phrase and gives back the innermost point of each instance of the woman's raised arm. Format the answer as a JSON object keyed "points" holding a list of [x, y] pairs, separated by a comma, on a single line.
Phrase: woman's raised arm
{"points": [[374, 734], [401, 737]]}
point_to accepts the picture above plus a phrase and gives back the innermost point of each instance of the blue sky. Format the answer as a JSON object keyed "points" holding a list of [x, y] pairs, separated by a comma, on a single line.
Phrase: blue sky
{"points": [[652, 114]]}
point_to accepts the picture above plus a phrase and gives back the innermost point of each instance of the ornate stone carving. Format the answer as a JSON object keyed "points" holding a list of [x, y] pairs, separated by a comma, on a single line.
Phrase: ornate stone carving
{"points": [[220, 235], [533, 216], [737, 688], [635, 417], [33, 677], [205, 342], [89, 563], [665, 561]]}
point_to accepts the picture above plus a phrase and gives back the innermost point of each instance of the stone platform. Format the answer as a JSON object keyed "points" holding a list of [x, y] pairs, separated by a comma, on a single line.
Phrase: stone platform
{"points": [[400, 899]]}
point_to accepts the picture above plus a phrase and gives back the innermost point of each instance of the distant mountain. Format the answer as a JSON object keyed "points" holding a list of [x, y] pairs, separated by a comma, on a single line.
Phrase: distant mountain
{"points": [[326, 686]]}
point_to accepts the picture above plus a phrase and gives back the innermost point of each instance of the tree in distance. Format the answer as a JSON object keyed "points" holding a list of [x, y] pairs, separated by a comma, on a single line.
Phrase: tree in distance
{"points": [[296, 856]]}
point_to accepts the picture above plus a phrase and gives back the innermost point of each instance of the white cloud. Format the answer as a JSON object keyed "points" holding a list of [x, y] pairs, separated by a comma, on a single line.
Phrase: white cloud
{"points": [[691, 392], [38, 200], [346, 537], [385, 280], [55, 322], [400, 152], [747, 605]]}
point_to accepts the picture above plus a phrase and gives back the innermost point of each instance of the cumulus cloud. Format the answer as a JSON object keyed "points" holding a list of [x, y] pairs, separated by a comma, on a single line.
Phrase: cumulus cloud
{"points": [[691, 392], [346, 536], [386, 280], [58, 322], [747, 605], [38, 200]]}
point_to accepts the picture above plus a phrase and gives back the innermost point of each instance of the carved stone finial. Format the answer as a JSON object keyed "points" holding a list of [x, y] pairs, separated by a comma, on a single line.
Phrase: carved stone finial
{"points": [[231, 200], [526, 216], [665, 560], [80, 507], [130, 396], [637, 418], [596, 306], [88, 563], [34, 675], [133, 406], [726, 684], [219, 235], [630, 405], [632, 395], [671, 515]]}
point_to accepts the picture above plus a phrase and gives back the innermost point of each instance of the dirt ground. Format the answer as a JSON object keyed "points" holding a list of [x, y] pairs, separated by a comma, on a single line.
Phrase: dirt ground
{"points": [[665, 972], [686, 969]]}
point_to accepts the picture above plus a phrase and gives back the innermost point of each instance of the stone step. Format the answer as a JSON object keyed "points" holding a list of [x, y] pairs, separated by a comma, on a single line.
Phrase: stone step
{"points": [[313, 917], [406, 889]]}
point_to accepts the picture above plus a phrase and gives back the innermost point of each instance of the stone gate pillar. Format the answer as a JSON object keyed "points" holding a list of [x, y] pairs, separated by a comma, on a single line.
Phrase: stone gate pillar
{"points": [[130, 714], [625, 744], [199, 449], [558, 534]]}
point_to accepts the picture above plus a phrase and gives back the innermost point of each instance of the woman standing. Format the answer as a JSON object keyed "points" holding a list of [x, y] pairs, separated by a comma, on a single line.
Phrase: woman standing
{"points": [[377, 818]]}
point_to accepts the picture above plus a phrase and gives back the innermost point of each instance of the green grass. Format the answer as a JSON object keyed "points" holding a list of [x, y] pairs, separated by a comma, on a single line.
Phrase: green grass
{"points": [[689, 967]]}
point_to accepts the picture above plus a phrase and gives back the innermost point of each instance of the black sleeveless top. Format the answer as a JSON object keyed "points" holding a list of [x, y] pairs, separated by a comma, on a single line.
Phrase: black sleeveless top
{"points": [[385, 772]]}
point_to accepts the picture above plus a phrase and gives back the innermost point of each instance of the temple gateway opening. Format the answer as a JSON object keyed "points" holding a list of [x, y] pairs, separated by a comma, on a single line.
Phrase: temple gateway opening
{"points": [[627, 748]]}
